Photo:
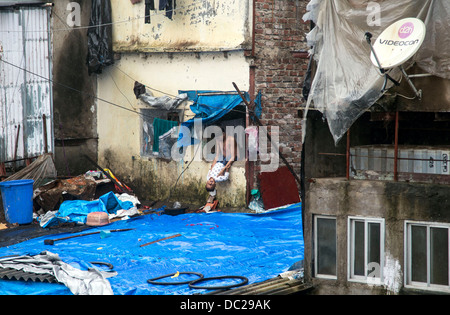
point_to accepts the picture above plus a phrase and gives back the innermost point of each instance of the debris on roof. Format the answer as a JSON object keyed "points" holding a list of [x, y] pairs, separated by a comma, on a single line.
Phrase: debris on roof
{"points": [[217, 244]]}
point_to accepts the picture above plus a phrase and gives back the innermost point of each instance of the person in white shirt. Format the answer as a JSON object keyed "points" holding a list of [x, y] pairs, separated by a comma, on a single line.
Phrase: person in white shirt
{"points": [[219, 172]]}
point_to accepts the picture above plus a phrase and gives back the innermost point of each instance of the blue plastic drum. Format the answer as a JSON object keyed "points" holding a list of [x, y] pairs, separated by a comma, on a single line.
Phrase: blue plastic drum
{"points": [[17, 198]]}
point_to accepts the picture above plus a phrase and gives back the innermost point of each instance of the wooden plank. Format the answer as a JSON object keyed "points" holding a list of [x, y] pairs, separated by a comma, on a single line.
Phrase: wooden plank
{"points": [[274, 286], [162, 239], [251, 288], [290, 288]]}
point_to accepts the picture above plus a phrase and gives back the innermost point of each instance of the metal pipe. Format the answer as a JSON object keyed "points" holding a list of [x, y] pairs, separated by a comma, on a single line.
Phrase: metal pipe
{"points": [[44, 123], [21, 159], [418, 93], [253, 27], [422, 75], [16, 146], [274, 146], [396, 148], [347, 172], [249, 165]]}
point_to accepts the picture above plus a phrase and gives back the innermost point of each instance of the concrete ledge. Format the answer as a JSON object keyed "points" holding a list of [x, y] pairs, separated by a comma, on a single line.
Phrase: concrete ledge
{"points": [[400, 200]]}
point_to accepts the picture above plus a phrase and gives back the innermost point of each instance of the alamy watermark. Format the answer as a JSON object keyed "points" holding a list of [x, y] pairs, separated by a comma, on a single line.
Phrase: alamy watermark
{"points": [[374, 16], [212, 138], [74, 17]]}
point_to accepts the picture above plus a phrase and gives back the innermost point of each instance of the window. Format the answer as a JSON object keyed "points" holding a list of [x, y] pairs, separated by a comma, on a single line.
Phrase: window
{"points": [[427, 255], [167, 120], [366, 249], [325, 248]]}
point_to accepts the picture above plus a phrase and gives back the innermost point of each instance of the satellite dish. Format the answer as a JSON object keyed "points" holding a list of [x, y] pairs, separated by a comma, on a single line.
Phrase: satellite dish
{"points": [[398, 43]]}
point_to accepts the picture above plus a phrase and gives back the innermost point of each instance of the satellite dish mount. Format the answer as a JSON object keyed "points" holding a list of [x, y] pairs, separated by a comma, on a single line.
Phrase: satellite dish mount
{"points": [[395, 45]]}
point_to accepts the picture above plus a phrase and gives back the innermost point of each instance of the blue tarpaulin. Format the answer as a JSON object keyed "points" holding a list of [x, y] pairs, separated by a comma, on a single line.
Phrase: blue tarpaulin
{"points": [[208, 109], [256, 246], [77, 210]]}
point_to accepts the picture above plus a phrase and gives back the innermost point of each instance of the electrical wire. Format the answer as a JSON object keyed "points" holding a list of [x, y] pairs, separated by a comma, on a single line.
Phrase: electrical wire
{"points": [[169, 94], [147, 86], [104, 100], [122, 107], [179, 176], [67, 28], [114, 81], [73, 89]]}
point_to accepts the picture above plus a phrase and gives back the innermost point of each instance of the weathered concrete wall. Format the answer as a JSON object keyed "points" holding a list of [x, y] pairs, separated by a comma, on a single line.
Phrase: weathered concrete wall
{"points": [[195, 26], [120, 130], [206, 42], [75, 118], [395, 202]]}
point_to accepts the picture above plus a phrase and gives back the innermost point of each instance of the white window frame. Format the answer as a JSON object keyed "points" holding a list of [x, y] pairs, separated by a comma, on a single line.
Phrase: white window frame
{"points": [[317, 275], [351, 254], [407, 257]]}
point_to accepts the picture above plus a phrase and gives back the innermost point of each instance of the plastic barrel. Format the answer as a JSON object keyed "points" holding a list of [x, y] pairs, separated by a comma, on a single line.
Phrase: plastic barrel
{"points": [[17, 198]]}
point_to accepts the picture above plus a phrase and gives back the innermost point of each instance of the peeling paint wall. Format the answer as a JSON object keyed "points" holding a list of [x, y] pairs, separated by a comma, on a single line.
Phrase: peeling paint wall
{"points": [[393, 275], [206, 41], [119, 128], [196, 25]]}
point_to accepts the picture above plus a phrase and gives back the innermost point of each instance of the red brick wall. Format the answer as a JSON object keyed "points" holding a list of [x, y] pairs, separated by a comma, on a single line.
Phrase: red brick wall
{"points": [[280, 65]]}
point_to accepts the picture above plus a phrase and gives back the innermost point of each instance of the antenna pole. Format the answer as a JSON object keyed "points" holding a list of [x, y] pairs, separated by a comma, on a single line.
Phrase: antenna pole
{"points": [[383, 72], [417, 92]]}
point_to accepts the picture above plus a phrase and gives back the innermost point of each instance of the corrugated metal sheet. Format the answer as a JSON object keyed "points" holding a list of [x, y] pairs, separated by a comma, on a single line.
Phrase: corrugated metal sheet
{"points": [[6, 3], [24, 96], [412, 159]]}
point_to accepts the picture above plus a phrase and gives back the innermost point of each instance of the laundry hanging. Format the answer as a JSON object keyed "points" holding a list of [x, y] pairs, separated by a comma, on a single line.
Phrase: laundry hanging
{"points": [[100, 51], [169, 6], [160, 127], [149, 6]]}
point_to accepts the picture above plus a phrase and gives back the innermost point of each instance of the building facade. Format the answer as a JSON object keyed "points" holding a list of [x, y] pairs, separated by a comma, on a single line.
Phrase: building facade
{"points": [[203, 46], [376, 207]]}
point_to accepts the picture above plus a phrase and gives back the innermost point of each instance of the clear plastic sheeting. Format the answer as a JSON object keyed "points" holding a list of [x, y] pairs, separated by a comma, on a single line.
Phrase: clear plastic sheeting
{"points": [[255, 246], [164, 102], [346, 83]]}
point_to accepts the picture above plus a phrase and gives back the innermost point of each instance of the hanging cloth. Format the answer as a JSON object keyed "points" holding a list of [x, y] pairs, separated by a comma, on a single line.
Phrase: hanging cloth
{"points": [[149, 6], [160, 127], [169, 6], [100, 50]]}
